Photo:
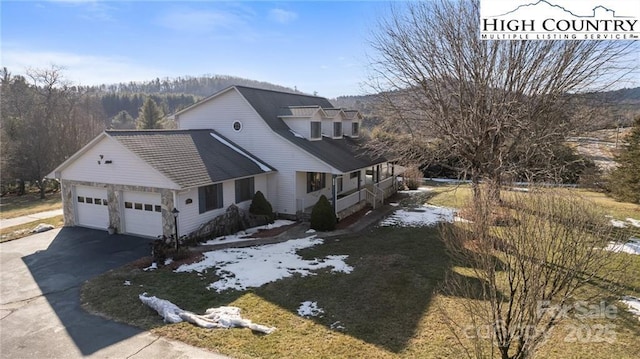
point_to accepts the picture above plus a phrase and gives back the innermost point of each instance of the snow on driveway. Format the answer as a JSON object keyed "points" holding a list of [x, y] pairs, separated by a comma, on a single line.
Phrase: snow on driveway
{"points": [[242, 268]]}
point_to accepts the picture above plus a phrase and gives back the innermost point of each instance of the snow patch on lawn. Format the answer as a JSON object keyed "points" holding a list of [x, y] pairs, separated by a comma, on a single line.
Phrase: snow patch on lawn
{"points": [[631, 247], [153, 266], [425, 215], [624, 224], [242, 268], [309, 309], [244, 235], [633, 303]]}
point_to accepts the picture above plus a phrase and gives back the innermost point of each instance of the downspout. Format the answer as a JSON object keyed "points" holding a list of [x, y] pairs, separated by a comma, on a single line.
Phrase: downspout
{"points": [[334, 194], [175, 205]]}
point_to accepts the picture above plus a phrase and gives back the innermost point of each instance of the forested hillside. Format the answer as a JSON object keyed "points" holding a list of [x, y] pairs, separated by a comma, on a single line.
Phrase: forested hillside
{"points": [[599, 110]]}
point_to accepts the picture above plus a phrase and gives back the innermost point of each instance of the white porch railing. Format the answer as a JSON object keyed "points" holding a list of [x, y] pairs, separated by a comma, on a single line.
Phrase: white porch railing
{"points": [[348, 201], [374, 195]]}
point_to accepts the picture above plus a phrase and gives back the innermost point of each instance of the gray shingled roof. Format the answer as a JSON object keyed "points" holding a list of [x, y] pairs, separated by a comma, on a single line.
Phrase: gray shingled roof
{"points": [[344, 154], [298, 111], [190, 158]]}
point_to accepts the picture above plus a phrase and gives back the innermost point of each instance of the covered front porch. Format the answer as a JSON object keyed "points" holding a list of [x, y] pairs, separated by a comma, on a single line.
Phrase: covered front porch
{"points": [[348, 192]]}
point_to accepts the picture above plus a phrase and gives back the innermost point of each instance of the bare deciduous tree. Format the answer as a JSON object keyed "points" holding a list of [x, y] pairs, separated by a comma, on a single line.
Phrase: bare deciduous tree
{"points": [[521, 280], [44, 120], [491, 105]]}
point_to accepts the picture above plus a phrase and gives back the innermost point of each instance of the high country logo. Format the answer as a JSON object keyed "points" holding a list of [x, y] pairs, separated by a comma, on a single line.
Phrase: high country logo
{"points": [[560, 20]]}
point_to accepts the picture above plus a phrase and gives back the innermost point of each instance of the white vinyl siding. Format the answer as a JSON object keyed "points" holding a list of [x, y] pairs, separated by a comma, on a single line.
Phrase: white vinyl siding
{"points": [[256, 136], [125, 168], [91, 207], [190, 217]]}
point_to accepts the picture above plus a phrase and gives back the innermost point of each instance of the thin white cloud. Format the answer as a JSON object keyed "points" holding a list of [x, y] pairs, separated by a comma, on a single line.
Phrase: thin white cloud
{"points": [[93, 9], [79, 68], [282, 16], [198, 21]]}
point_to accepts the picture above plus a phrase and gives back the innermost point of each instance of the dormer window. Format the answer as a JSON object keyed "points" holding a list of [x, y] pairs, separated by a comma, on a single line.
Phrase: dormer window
{"points": [[355, 129], [316, 130], [337, 129]]}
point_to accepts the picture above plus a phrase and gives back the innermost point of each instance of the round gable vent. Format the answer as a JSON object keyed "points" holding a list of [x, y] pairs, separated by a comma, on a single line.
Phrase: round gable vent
{"points": [[237, 126]]}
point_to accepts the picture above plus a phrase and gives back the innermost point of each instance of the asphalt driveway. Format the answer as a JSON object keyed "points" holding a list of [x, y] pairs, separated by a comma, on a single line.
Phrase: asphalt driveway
{"points": [[40, 311]]}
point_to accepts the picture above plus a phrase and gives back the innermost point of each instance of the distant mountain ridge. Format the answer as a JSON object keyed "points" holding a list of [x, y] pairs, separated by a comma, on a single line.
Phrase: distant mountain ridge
{"points": [[200, 86]]}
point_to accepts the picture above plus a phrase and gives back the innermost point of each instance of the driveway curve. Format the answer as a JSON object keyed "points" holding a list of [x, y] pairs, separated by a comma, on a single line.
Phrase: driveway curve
{"points": [[40, 309]]}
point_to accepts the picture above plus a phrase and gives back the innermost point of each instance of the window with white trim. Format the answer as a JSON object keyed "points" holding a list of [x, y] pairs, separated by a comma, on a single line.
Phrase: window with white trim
{"points": [[315, 181], [316, 130], [244, 189], [337, 129], [355, 129], [210, 197]]}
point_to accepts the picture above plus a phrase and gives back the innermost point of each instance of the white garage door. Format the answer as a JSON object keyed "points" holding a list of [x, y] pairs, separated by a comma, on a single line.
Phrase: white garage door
{"points": [[142, 213], [92, 209]]}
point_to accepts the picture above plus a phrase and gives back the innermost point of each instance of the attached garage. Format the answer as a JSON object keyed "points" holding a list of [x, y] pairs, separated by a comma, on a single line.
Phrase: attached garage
{"points": [[142, 213], [129, 181], [92, 207]]}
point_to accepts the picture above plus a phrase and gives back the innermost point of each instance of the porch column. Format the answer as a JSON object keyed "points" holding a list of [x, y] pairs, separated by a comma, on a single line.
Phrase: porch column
{"points": [[393, 174], [334, 193], [359, 184]]}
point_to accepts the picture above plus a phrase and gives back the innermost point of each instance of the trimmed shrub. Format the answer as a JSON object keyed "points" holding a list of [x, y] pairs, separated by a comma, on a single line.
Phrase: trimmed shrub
{"points": [[260, 206], [322, 216]]}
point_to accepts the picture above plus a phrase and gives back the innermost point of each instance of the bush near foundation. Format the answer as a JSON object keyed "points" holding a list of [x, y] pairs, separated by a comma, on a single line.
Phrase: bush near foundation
{"points": [[322, 216]]}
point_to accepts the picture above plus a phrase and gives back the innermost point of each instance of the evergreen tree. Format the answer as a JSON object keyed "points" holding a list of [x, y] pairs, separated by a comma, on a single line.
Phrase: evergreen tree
{"points": [[625, 179], [260, 206], [122, 121], [322, 216], [150, 115]]}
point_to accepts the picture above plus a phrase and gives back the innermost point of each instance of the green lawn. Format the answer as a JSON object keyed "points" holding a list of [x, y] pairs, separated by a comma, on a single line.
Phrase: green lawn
{"points": [[23, 230], [389, 306], [12, 206]]}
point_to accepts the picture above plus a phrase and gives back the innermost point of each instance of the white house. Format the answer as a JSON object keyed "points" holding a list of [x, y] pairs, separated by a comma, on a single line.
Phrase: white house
{"points": [[292, 147]]}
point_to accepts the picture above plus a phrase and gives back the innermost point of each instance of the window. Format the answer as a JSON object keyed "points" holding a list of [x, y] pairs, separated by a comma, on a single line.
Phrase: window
{"points": [[353, 175], [128, 205], [315, 181], [148, 207], [97, 201], [80, 199], [244, 189], [210, 197], [158, 208], [339, 184], [337, 129], [89, 200], [316, 130], [137, 206], [355, 128], [104, 202]]}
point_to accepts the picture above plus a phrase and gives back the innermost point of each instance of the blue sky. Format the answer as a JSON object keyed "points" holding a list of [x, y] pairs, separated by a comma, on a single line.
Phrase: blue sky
{"points": [[314, 46]]}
